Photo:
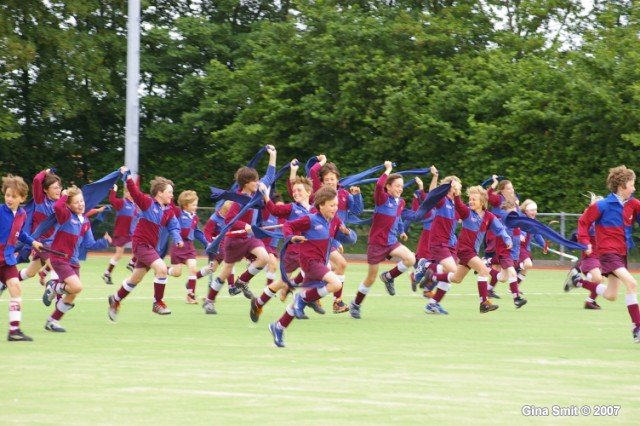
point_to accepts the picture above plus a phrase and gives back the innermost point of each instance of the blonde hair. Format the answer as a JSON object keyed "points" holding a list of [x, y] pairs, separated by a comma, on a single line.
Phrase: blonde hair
{"points": [[16, 183], [619, 176], [159, 184], [508, 205], [72, 191], [526, 203], [224, 208], [451, 178], [593, 197], [480, 192], [304, 181], [187, 197]]}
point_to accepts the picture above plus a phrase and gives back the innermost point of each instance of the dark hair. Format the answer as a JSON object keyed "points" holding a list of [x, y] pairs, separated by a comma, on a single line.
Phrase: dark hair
{"points": [[328, 168], [392, 177], [50, 179], [245, 174], [277, 197], [323, 195]]}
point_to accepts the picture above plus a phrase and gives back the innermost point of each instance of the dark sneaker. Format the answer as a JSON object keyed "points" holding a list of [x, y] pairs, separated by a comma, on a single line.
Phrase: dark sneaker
{"points": [[339, 306], [572, 280], [487, 307], [53, 325], [234, 291], [317, 307], [493, 295], [3, 287], [388, 283], [114, 308], [130, 266], [427, 280], [592, 305], [354, 310], [298, 307], [160, 308], [435, 309], [519, 302], [255, 311], [636, 334], [49, 294], [107, 279], [244, 288], [18, 336], [208, 306], [277, 333], [418, 275]]}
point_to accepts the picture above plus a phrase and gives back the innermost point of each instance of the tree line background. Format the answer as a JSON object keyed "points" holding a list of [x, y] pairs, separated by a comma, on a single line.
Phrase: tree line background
{"points": [[544, 92]]}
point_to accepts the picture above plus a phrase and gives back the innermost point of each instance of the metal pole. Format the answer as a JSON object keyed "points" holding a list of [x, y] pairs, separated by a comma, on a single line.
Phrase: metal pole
{"points": [[133, 76], [563, 228]]}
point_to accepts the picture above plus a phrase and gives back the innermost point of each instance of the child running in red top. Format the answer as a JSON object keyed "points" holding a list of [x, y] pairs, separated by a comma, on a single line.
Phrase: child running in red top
{"points": [[12, 229], [186, 255], [240, 243], [314, 233], [155, 212], [613, 217], [126, 211], [386, 228]]}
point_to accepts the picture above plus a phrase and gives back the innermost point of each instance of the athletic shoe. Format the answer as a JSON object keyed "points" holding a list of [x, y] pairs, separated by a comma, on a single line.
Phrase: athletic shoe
{"points": [[130, 266], [3, 286], [487, 307], [255, 311], [435, 309], [388, 283], [417, 277], [107, 279], [160, 308], [317, 307], [354, 310], [572, 279], [427, 280], [519, 302], [18, 336], [234, 291], [208, 306], [42, 276], [53, 325], [244, 288], [49, 293], [277, 333], [191, 299], [298, 307], [339, 306], [636, 334], [493, 295], [592, 305], [114, 308]]}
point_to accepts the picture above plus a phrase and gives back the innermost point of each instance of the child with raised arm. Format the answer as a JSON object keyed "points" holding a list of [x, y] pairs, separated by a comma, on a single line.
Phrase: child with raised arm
{"points": [[211, 230], [476, 221], [186, 255], [314, 233], [155, 213], [613, 217], [240, 242], [126, 211], [72, 228], [349, 201], [386, 228], [12, 229], [46, 188]]}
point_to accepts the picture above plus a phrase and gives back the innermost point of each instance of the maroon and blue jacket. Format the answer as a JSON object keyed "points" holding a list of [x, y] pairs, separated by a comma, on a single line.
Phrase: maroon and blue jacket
{"points": [[289, 212], [43, 207], [152, 217], [70, 230], [387, 216], [126, 211], [613, 224], [11, 231], [189, 230], [443, 228], [347, 202], [474, 228], [319, 233]]}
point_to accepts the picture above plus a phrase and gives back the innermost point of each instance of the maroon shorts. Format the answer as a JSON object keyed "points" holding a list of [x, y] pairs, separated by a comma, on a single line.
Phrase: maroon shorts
{"points": [[524, 254], [422, 251], [42, 255], [465, 257], [291, 260], [181, 254], [611, 261], [64, 269], [377, 253], [7, 272], [589, 264], [120, 241], [235, 249], [314, 271], [439, 253], [273, 250], [145, 255]]}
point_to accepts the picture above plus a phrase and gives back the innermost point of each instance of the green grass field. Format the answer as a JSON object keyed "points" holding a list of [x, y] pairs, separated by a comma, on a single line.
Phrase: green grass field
{"points": [[396, 365]]}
